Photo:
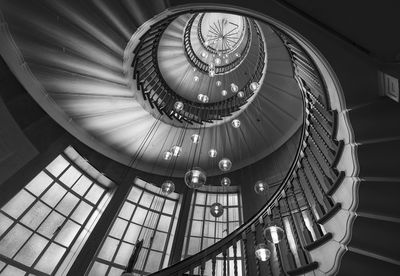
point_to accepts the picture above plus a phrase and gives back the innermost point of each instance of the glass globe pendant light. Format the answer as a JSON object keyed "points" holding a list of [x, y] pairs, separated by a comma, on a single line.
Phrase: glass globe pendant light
{"points": [[225, 182], [254, 86], [176, 151], [195, 178], [218, 83], [240, 94], [212, 153], [236, 123], [224, 93], [234, 88], [195, 138], [261, 187], [167, 155], [274, 234], [262, 252], [178, 106], [225, 164], [167, 187], [216, 210]]}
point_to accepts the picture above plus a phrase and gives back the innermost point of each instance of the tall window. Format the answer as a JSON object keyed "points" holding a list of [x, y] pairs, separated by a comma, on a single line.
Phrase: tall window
{"points": [[44, 226], [203, 230], [145, 214]]}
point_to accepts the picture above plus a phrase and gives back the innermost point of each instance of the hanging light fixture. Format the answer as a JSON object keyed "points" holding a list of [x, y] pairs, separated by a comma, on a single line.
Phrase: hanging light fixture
{"points": [[217, 209], [218, 83], [178, 106], [254, 86], [262, 252], [236, 123], [176, 151], [204, 54], [224, 92], [167, 187], [217, 61], [240, 94], [195, 178], [212, 153], [167, 155], [234, 88], [225, 164], [195, 138], [225, 182], [196, 78], [261, 187], [274, 234]]}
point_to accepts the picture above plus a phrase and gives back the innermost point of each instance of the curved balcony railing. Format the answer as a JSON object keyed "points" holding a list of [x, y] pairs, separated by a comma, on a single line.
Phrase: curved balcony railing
{"points": [[158, 94], [300, 205], [203, 66]]}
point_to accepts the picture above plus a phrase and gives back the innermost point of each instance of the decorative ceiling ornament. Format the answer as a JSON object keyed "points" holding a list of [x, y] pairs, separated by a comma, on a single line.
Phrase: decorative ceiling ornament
{"points": [[217, 210], [196, 78], [254, 86], [195, 178], [240, 94], [236, 123], [217, 61], [167, 187], [225, 164]]}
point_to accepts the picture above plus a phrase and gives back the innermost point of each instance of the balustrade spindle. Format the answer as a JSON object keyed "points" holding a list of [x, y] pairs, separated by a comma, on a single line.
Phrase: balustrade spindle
{"points": [[235, 268], [318, 207], [225, 264], [254, 232], [213, 261], [303, 257], [291, 263], [308, 238], [245, 253]]}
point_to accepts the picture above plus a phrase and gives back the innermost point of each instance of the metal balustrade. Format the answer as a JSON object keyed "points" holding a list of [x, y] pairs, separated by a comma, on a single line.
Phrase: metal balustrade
{"points": [[300, 205], [159, 95]]}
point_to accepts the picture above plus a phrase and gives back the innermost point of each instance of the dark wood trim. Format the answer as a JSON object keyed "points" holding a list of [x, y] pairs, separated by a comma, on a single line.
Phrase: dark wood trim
{"points": [[304, 269], [325, 238], [330, 213]]}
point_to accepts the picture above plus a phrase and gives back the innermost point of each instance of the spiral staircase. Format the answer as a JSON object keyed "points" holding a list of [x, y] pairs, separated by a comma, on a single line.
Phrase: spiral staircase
{"points": [[339, 194]]}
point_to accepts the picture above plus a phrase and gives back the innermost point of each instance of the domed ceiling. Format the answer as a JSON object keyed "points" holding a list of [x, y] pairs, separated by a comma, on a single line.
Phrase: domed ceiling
{"points": [[74, 58]]}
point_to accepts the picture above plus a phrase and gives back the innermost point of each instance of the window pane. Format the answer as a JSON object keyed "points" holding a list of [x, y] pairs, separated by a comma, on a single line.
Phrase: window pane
{"points": [[115, 272], [124, 253], [151, 220], [82, 185], [5, 223], [18, 204], [67, 204], [12, 271], [67, 233], [39, 183], [50, 258], [54, 195], [169, 206], [50, 225], [132, 233], [198, 212], [153, 261], [233, 214], [31, 250], [159, 241], [146, 199], [94, 193], [139, 215], [118, 228], [108, 249], [134, 194], [70, 176], [164, 223], [200, 198], [98, 269], [127, 210], [211, 199], [194, 245], [233, 199], [14, 239], [36, 215], [197, 228], [57, 166], [81, 212]]}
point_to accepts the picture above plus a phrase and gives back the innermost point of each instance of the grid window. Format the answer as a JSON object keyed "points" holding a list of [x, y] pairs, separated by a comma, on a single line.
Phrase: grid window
{"points": [[41, 223], [203, 230], [144, 215]]}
